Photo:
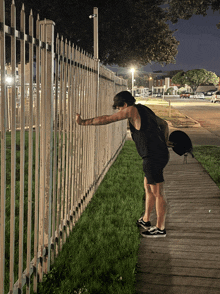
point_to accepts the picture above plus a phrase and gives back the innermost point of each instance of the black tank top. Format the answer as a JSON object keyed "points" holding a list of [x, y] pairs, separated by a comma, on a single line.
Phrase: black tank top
{"points": [[149, 140]]}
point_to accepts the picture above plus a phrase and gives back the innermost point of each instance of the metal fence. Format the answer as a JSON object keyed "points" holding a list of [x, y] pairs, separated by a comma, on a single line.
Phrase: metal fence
{"points": [[50, 167]]}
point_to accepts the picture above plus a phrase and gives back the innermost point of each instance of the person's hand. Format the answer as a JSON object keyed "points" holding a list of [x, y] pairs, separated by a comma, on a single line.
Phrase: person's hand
{"points": [[170, 144], [78, 119]]}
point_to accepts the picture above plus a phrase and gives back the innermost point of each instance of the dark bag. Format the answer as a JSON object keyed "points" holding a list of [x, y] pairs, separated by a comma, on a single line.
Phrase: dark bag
{"points": [[182, 144]]}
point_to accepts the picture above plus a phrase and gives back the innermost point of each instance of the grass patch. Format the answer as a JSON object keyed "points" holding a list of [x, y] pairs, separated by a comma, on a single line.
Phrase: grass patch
{"points": [[100, 256], [209, 157], [17, 201], [101, 253]]}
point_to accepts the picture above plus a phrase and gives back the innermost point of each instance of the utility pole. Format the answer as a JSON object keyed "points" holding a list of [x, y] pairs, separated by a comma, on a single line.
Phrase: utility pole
{"points": [[95, 32], [96, 58]]}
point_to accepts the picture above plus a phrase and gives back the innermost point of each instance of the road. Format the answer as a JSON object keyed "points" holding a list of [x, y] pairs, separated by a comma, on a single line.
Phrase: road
{"points": [[205, 112]]}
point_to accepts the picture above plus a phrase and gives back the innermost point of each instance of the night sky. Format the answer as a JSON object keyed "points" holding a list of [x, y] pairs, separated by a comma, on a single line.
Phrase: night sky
{"points": [[199, 44]]}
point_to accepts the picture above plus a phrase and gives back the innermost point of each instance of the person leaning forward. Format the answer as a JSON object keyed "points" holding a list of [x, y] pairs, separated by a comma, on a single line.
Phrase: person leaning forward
{"points": [[150, 134]]}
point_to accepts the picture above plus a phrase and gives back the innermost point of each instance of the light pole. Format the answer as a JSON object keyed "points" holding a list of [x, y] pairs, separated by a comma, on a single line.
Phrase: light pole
{"points": [[150, 84], [95, 32], [132, 81], [96, 47], [96, 58]]}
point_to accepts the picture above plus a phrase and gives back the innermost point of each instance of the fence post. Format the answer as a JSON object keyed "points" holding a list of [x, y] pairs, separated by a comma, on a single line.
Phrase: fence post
{"points": [[49, 135], [47, 74], [3, 146]]}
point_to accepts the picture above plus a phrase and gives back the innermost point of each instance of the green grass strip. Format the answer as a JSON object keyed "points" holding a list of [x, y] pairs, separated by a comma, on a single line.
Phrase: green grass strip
{"points": [[100, 256], [209, 157]]}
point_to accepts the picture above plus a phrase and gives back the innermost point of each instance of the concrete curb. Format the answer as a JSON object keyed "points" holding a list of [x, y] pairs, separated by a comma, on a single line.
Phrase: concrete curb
{"points": [[196, 125]]}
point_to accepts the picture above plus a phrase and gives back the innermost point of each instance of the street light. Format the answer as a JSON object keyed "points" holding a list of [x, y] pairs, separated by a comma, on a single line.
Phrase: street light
{"points": [[94, 16], [9, 80], [95, 32], [132, 81]]}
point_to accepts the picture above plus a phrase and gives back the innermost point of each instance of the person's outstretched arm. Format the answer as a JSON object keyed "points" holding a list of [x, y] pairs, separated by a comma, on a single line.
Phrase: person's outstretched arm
{"points": [[104, 119]]}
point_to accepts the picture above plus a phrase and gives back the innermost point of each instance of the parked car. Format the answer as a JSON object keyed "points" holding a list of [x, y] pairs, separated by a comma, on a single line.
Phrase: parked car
{"points": [[185, 95], [158, 95], [215, 97], [199, 95], [209, 93]]}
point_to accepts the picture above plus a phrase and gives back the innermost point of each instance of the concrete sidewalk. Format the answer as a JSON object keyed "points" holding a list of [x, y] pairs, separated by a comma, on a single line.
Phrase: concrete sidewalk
{"points": [[188, 259]]}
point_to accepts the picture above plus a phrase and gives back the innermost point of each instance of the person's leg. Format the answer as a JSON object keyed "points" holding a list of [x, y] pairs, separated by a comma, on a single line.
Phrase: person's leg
{"points": [[158, 192], [149, 202]]}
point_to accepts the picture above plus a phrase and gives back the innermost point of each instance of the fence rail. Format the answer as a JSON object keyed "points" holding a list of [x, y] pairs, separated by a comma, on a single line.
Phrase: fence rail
{"points": [[50, 166]]}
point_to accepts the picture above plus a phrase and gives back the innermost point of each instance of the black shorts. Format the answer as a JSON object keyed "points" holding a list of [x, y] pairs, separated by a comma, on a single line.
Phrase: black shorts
{"points": [[153, 169]]}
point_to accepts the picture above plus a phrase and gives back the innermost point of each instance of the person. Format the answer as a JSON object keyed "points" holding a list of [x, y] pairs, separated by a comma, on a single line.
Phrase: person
{"points": [[150, 134]]}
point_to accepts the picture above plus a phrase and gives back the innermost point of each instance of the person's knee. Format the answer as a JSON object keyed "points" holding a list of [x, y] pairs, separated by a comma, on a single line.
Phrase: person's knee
{"points": [[147, 188], [158, 194], [158, 190]]}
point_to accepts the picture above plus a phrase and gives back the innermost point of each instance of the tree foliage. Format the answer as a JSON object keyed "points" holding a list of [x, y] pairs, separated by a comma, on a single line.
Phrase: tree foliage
{"points": [[185, 9], [195, 78], [179, 78], [140, 80], [130, 31]]}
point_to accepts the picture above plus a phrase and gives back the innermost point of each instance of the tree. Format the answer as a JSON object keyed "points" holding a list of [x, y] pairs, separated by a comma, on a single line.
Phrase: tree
{"points": [[195, 78], [185, 9], [130, 31], [169, 91], [179, 79]]}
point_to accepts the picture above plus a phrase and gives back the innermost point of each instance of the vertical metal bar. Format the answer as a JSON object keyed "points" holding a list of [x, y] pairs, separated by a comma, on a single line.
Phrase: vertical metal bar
{"points": [[83, 133], [96, 161], [73, 188], [72, 132], [54, 237], [67, 139], [37, 145], [59, 145], [63, 101], [13, 145], [77, 134], [42, 151], [81, 130], [91, 134], [87, 130], [3, 146], [87, 105], [22, 149], [93, 90], [49, 139], [69, 108], [30, 152]]}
